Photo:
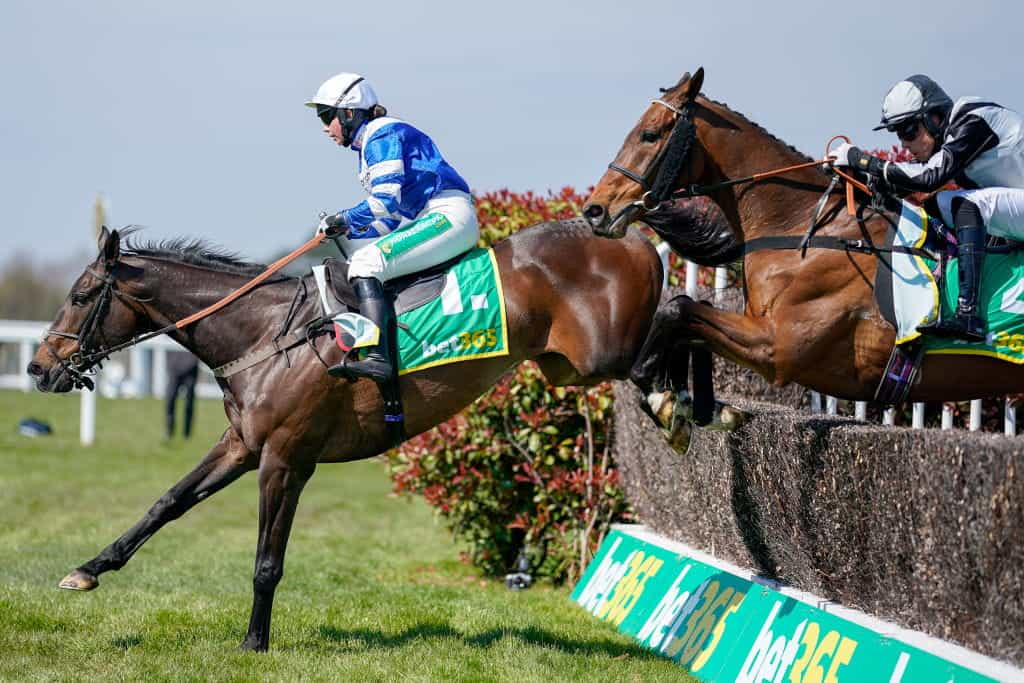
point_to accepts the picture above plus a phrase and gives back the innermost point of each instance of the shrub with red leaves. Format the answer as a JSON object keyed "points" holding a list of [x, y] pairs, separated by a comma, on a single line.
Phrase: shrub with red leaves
{"points": [[527, 465]]}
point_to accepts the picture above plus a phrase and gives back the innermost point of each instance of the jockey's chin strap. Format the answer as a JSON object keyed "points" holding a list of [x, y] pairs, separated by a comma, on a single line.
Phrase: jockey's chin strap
{"points": [[79, 364]]}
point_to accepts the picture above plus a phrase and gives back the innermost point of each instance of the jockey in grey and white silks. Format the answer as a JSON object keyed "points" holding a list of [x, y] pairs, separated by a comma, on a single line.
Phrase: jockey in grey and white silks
{"points": [[977, 144]]}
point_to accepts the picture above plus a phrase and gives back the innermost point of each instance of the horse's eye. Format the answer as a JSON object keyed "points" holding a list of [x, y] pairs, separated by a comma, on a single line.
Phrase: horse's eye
{"points": [[79, 298], [649, 136]]}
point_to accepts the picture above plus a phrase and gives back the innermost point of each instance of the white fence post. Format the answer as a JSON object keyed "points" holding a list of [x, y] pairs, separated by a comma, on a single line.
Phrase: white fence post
{"points": [[889, 417], [918, 422], [831, 405], [691, 279], [87, 418], [947, 416], [815, 402], [24, 358], [860, 410], [721, 282], [1009, 418], [975, 414], [138, 375], [159, 370], [663, 251]]}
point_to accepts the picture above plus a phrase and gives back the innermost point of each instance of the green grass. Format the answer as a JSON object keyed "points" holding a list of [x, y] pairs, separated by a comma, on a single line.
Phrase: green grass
{"points": [[373, 589]]}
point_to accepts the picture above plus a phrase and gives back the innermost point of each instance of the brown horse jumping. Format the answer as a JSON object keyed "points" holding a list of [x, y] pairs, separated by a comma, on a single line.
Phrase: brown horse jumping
{"points": [[579, 305], [811, 320]]}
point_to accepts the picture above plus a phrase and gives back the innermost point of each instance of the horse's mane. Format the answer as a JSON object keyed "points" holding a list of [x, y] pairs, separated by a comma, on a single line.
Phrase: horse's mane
{"points": [[190, 251], [745, 119]]}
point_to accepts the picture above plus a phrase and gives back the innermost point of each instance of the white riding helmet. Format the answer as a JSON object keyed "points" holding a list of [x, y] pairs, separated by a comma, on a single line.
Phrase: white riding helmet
{"points": [[345, 91], [913, 97]]}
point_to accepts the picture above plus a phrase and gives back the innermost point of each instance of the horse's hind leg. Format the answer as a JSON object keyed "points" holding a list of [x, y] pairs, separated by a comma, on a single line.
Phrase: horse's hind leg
{"points": [[226, 461], [281, 483]]}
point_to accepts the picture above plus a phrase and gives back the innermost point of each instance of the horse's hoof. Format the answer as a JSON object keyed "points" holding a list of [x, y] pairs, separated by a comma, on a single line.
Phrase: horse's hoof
{"points": [[79, 581], [733, 418], [662, 403], [668, 406], [679, 436], [727, 418], [252, 645]]}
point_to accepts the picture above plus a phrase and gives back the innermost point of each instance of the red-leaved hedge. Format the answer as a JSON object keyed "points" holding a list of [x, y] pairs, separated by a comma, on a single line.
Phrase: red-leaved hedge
{"points": [[527, 465]]}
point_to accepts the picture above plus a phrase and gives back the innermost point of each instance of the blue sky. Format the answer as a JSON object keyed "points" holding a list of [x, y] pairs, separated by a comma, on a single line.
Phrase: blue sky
{"points": [[188, 115]]}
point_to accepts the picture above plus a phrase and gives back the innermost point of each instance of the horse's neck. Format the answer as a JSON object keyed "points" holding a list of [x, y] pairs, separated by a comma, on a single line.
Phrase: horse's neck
{"points": [[766, 207], [177, 291]]}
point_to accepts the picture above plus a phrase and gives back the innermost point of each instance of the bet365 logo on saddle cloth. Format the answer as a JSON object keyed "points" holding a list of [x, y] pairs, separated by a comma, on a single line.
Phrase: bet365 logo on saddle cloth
{"points": [[466, 322]]}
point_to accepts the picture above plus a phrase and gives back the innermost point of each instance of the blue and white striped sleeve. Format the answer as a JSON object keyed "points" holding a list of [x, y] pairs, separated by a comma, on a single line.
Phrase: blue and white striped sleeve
{"points": [[386, 169]]}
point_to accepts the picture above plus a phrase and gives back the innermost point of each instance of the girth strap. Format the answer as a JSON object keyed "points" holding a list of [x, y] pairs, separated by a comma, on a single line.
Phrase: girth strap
{"points": [[794, 242], [267, 351]]}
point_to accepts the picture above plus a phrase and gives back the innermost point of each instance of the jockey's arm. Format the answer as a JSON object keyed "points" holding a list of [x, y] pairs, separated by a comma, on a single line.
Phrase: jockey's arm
{"points": [[386, 168], [966, 140]]}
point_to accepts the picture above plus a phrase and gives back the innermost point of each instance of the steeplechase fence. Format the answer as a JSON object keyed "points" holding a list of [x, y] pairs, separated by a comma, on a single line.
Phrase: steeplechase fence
{"points": [[772, 552]]}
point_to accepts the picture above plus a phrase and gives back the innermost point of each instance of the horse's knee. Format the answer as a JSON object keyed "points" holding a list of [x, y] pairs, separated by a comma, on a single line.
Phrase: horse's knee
{"points": [[168, 506], [267, 575], [672, 312]]}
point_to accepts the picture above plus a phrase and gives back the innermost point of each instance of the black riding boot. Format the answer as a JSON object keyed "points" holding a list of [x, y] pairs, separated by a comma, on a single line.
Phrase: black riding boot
{"points": [[373, 304], [966, 323]]}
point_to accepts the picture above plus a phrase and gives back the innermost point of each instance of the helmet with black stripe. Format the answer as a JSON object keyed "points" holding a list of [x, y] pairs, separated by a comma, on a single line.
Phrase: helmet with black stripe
{"points": [[344, 91]]}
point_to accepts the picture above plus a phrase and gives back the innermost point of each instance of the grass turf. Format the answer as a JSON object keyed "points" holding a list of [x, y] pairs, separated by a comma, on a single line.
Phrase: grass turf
{"points": [[373, 589]]}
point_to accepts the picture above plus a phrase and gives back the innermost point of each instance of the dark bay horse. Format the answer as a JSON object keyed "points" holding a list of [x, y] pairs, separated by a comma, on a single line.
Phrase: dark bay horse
{"points": [[811, 320], [579, 305]]}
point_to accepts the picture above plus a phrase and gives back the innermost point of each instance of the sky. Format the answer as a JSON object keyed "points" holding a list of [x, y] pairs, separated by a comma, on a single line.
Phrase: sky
{"points": [[188, 116]]}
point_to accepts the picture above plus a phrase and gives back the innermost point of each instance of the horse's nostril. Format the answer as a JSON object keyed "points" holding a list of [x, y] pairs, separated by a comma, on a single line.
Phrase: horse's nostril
{"points": [[35, 369], [593, 212]]}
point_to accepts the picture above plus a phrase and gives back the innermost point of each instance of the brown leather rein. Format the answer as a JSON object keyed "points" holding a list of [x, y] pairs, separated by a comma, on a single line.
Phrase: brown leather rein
{"points": [[80, 362], [851, 182]]}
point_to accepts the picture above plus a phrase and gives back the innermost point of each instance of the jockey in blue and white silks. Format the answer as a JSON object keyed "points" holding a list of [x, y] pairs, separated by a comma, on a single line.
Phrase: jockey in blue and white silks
{"points": [[973, 142], [419, 212]]}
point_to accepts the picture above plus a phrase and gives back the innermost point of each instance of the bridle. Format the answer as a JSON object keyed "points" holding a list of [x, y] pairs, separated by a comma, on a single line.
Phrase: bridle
{"points": [[90, 354], [78, 364], [667, 163]]}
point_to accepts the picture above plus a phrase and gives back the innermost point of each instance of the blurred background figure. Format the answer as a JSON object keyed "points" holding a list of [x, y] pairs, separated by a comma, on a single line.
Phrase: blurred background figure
{"points": [[182, 371]]}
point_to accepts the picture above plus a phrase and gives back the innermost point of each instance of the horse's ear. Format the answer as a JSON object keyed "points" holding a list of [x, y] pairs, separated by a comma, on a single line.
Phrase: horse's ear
{"points": [[111, 248], [101, 240], [694, 84]]}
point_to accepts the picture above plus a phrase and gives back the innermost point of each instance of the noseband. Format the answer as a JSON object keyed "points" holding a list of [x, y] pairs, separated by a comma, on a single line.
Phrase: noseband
{"points": [[667, 163], [78, 364]]}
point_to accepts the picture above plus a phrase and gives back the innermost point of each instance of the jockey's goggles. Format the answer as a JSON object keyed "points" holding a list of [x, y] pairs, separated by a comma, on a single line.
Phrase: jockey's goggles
{"points": [[326, 114], [907, 130]]}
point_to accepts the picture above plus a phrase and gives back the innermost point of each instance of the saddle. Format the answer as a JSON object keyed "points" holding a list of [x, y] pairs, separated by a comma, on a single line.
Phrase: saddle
{"points": [[406, 293]]}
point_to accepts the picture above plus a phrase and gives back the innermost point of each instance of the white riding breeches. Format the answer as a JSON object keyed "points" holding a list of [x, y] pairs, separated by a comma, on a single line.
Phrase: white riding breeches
{"points": [[1002, 209], [446, 227]]}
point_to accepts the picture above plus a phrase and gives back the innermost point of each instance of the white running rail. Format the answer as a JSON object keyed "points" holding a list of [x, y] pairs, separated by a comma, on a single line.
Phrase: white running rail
{"points": [[145, 374]]}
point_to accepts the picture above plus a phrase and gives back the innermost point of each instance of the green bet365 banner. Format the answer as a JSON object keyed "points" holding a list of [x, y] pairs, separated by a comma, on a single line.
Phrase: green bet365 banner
{"points": [[721, 627]]}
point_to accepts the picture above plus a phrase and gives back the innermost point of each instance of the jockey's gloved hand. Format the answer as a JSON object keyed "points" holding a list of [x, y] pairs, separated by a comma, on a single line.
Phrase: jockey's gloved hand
{"points": [[332, 225], [841, 154]]}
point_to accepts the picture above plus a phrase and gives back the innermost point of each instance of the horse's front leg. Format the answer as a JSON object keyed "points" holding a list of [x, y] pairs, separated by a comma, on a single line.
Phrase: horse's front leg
{"points": [[281, 484], [227, 461], [739, 338]]}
